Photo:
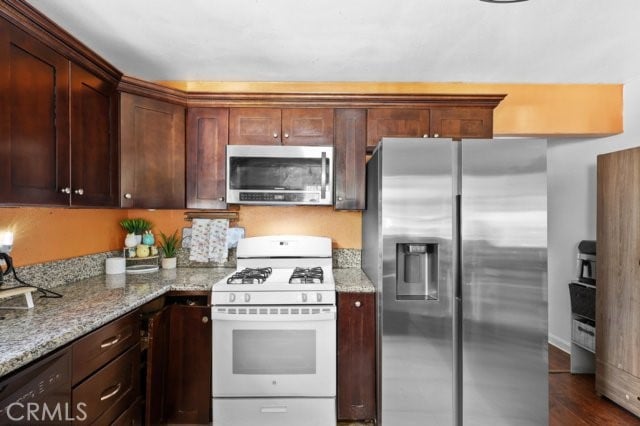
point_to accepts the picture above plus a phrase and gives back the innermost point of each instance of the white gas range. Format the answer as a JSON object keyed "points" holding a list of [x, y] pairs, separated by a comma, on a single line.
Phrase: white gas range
{"points": [[274, 334]]}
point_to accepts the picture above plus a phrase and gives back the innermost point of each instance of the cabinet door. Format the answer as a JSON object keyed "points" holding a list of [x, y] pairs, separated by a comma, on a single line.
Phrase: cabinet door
{"points": [[207, 137], [34, 120], [188, 398], [254, 126], [396, 123], [307, 126], [356, 396], [618, 293], [94, 150], [350, 145], [462, 123], [157, 366], [152, 162]]}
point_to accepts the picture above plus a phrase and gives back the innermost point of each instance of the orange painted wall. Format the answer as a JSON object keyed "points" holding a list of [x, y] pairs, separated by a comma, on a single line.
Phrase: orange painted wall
{"points": [[45, 234]]}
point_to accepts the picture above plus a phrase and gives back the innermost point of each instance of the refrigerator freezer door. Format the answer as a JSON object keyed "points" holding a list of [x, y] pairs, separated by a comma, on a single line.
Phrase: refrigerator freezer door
{"points": [[504, 282], [415, 307]]}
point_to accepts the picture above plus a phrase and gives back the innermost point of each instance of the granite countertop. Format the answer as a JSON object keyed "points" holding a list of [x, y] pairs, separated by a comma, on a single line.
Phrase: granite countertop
{"points": [[26, 335]]}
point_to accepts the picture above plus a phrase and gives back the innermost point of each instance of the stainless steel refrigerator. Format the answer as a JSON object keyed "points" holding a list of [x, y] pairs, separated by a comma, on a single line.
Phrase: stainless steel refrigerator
{"points": [[455, 241]]}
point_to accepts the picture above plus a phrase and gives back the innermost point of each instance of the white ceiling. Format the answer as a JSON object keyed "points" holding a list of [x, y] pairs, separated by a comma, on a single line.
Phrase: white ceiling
{"points": [[538, 41]]}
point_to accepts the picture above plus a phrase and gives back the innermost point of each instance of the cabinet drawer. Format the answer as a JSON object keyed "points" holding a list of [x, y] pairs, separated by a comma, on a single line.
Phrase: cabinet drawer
{"points": [[111, 390], [619, 386], [98, 348]]}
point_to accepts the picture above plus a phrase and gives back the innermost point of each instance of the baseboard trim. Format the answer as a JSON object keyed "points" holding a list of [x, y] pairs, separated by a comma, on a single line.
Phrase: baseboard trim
{"points": [[560, 343]]}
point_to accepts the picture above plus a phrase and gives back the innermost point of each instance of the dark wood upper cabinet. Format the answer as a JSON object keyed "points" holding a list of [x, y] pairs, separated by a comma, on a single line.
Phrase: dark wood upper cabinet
{"points": [[94, 149], [34, 120], [356, 364], [350, 145], [274, 126], [307, 126], [207, 138], [255, 126], [396, 123], [152, 153], [462, 123]]}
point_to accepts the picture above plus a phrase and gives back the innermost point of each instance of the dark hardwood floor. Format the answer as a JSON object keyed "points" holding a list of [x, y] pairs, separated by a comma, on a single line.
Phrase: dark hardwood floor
{"points": [[573, 400]]}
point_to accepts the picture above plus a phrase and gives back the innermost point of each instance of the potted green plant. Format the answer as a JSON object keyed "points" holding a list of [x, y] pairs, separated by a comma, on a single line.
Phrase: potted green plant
{"points": [[137, 227], [169, 246]]}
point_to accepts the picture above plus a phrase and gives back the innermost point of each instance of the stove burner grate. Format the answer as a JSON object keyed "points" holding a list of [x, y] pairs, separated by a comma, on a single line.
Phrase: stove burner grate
{"points": [[250, 276], [307, 276]]}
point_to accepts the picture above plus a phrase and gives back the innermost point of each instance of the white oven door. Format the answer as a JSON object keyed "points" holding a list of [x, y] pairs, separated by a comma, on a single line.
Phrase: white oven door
{"points": [[283, 351]]}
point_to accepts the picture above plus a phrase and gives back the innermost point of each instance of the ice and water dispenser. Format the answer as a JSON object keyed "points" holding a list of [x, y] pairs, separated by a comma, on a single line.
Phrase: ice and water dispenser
{"points": [[417, 271]]}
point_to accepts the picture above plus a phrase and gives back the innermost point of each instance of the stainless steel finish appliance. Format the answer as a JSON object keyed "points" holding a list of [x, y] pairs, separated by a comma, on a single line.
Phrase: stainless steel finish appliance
{"points": [[279, 174], [274, 335], [454, 239]]}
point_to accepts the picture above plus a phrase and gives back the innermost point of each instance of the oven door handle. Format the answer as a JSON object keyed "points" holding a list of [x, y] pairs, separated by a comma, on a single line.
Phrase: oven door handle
{"points": [[323, 176], [325, 316]]}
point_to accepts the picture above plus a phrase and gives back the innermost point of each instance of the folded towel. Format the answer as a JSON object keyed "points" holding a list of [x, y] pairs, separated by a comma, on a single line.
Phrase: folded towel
{"points": [[209, 240]]}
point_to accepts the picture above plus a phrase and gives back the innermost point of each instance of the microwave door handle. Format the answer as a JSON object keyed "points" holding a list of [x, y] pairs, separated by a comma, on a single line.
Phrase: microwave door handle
{"points": [[323, 177]]}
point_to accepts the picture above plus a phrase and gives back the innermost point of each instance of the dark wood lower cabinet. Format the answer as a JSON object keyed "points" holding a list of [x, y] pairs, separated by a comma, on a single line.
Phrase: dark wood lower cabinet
{"points": [[178, 361], [356, 394]]}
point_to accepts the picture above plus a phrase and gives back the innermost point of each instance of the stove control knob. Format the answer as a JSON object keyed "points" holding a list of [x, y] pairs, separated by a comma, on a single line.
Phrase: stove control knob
{"points": [[247, 297], [232, 297], [304, 297], [319, 297]]}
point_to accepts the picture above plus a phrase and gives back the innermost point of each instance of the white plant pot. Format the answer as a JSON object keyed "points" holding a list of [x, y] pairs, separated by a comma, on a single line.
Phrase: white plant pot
{"points": [[169, 262]]}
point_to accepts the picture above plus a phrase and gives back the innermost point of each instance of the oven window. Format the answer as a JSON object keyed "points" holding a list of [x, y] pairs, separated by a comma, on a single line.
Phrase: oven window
{"points": [[274, 351], [259, 173]]}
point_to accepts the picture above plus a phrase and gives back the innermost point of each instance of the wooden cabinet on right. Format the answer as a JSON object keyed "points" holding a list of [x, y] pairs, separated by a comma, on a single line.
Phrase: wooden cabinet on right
{"points": [[396, 123], [356, 396], [152, 153], [458, 123], [618, 293]]}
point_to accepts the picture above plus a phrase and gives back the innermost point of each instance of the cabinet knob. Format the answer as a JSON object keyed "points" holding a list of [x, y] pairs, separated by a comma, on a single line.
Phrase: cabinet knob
{"points": [[220, 198], [436, 135], [339, 198], [205, 320], [357, 304], [79, 191], [286, 135], [127, 196], [65, 190], [275, 135]]}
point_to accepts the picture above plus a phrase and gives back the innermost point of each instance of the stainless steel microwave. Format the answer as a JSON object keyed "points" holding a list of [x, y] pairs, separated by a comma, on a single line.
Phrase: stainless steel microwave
{"points": [[279, 174]]}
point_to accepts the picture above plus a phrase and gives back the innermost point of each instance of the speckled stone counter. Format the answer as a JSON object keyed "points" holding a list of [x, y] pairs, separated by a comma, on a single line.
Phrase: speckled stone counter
{"points": [[352, 280], [87, 304], [27, 335]]}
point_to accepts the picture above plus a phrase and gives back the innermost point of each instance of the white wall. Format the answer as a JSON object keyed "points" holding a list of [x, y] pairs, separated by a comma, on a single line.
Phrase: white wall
{"points": [[571, 181]]}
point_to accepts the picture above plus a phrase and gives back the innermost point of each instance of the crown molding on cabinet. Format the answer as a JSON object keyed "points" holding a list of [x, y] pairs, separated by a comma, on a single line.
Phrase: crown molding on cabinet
{"points": [[29, 19]]}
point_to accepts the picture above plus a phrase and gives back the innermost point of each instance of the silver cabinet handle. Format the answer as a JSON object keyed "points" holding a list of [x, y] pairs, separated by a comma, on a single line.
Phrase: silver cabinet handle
{"points": [[357, 304], [113, 393], [65, 190], [220, 198], [113, 341], [436, 135], [127, 196], [79, 191], [286, 135], [205, 320], [275, 135]]}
